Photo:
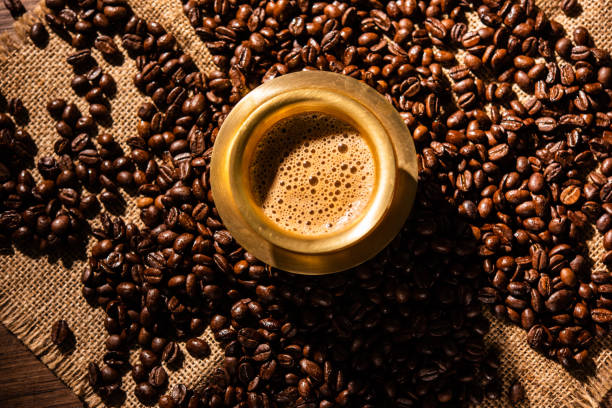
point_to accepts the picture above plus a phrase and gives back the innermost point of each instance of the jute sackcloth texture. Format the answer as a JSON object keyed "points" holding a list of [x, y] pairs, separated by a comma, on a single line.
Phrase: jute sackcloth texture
{"points": [[35, 292]]}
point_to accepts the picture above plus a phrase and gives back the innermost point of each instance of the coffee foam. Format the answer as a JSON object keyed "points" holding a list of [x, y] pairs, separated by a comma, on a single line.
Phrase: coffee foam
{"points": [[312, 173]]}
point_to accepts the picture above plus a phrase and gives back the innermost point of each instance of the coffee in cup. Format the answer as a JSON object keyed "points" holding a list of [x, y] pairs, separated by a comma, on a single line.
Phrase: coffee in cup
{"points": [[312, 174]]}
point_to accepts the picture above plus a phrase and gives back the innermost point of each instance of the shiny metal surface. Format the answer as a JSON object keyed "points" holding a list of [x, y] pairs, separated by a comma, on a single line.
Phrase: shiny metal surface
{"points": [[349, 100]]}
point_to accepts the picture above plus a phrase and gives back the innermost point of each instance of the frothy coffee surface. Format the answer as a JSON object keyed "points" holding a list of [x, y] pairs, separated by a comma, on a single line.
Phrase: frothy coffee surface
{"points": [[312, 173]]}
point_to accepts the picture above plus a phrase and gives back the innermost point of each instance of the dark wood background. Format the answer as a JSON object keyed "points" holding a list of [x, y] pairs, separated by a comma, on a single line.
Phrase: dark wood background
{"points": [[25, 382], [6, 21]]}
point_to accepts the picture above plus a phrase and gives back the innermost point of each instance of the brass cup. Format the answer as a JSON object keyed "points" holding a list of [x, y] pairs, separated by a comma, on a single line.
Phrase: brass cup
{"points": [[350, 101]]}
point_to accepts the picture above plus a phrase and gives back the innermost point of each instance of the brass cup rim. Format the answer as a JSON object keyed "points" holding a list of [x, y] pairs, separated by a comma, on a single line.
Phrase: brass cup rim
{"points": [[309, 91], [300, 101]]}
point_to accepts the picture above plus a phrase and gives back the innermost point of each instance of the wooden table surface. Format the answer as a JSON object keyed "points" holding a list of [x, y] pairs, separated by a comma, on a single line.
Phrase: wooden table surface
{"points": [[25, 382], [6, 21]]}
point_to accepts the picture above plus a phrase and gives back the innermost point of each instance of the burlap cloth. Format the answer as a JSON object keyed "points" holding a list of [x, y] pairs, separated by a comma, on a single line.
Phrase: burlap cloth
{"points": [[35, 292]]}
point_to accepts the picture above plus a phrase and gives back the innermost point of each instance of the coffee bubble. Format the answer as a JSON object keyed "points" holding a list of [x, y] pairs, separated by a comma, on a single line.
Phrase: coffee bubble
{"points": [[312, 173]]}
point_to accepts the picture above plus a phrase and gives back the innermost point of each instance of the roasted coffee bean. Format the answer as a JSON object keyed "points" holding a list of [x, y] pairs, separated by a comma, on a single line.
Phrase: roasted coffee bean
{"points": [[108, 374], [61, 334], [38, 34], [166, 401], [93, 375], [80, 59], [158, 377], [516, 393], [139, 373], [570, 195], [15, 7], [98, 111], [80, 84], [197, 348], [569, 7], [559, 300], [56, 107], [107, 84], [106, 45], [546, 124], [145, 392], [311, 369], [172, 353], [148, 358]]}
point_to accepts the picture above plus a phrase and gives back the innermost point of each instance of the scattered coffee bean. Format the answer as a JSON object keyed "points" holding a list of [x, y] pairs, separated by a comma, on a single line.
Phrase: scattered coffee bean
{"points": [[38, 34], [145, 392], [158, 377], [516, 393], [15, 7], [197, 348], [61, 333], [569, 7]]}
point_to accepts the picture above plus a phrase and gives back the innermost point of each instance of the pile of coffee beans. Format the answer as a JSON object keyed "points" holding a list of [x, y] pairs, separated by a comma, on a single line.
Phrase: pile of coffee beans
{"points": [[343, 340], [517, 169], [509, 187], [33, 215]]}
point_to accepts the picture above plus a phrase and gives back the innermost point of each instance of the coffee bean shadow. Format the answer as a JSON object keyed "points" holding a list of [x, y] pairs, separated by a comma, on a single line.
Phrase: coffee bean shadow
{"points": [[3, 103], [161, 391], [452, 218], [85, 66], [587, 371], [131, 190], [64, 253], [111, 91], [81, 92], [42, 43], [148, 402], [107, 120], [452, 231], [116, 59], [29, 162], [117, 399], [68, 255], [512, 373], [606, 400], [586, 235], [177, 364], [16, 12], [94, 211], [62, 34], [23, 118]]}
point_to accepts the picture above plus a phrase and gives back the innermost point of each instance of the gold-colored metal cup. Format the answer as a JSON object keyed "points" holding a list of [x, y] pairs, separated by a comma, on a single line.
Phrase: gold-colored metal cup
{"points": [[350, 101]]}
